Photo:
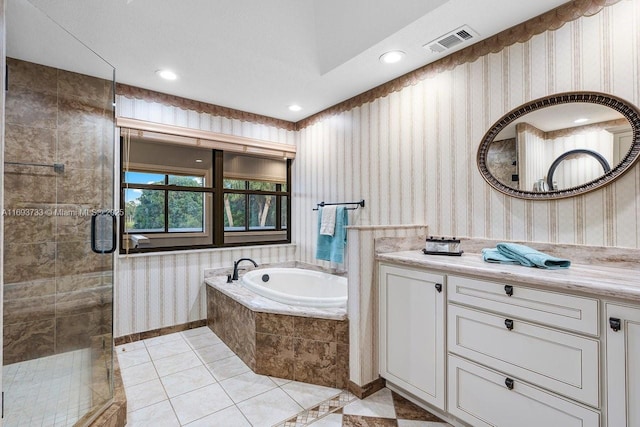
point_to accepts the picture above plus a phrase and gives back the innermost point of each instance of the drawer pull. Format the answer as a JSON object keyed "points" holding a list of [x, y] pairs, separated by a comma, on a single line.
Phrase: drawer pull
{"points": [[508, 323], [508, 289], [439, 287], [615, 324], [509, 383]]}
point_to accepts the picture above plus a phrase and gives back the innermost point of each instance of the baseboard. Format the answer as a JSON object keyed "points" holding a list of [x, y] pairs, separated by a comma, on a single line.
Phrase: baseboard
{"points": [[368, 389], [158, 332]]}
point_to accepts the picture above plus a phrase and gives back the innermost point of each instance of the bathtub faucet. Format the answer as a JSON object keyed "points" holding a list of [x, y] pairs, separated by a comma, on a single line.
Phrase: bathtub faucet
{"points": [[235, 266]]}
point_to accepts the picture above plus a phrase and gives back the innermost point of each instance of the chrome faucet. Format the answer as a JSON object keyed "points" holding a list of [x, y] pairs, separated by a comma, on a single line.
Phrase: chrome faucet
{"points": [[235, 266]]}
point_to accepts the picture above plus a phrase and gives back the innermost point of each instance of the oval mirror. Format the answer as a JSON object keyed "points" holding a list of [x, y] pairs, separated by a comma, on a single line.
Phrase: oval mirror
{"points": [[561, 145]]}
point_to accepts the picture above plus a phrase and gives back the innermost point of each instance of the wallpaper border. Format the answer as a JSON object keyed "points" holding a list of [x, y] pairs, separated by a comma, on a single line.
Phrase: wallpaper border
{"points": [[201, 107], [549, 21]]}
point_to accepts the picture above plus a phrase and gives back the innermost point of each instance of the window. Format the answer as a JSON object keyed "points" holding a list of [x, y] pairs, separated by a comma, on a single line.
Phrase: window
{"points": [[255, 194], [175, 196]]}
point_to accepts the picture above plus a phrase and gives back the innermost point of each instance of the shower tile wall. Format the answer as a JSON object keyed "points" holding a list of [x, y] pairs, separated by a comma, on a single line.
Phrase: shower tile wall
{"points": [[57, 293]]}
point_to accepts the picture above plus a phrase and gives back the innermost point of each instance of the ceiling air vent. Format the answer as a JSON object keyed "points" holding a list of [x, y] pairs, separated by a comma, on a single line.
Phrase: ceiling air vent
{"points": [[454, 38]]}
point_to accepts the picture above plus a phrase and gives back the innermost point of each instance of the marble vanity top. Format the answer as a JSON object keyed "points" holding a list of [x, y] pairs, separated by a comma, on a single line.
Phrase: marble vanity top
{"points": [[603, 280]]}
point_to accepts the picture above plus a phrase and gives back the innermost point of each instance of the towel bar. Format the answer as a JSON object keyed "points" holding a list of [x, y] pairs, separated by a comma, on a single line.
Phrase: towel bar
{"points": [[359, 204]]}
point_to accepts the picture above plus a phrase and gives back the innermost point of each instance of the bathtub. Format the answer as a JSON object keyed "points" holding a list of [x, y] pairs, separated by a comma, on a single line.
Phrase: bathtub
{"points": [[297, 286]]}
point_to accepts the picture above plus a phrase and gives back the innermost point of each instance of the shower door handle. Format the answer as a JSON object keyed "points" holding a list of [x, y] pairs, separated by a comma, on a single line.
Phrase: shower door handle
{"points": [[103, 232]]}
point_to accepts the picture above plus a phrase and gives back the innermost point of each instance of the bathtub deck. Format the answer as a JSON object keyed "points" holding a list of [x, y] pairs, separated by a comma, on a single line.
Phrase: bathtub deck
{"points": [[261, 304]]}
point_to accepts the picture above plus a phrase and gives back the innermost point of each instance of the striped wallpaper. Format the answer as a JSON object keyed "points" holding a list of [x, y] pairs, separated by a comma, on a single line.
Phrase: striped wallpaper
{"points": [[412, 156]]}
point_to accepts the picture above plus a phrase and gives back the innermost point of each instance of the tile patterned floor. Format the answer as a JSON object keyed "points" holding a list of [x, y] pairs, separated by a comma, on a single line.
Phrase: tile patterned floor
{"points": [[49, 391], [193, 379]]}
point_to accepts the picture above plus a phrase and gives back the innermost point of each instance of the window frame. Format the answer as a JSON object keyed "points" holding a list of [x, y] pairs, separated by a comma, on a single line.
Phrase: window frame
{"points": [[216, 216], [167, 188]]}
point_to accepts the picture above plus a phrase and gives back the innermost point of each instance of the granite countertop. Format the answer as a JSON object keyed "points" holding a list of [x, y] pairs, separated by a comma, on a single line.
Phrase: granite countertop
{"points": [[601, 280], [264, 305]]}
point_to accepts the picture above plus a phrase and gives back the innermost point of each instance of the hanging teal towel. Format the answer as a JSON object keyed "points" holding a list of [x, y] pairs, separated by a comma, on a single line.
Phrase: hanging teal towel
{"points": [[331, 248], [492, 255], [530, 257]]}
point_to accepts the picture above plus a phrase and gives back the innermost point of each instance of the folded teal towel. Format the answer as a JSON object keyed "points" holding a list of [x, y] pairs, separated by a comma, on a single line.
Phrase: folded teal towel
{"points": [[530, 257], [492, 255], [331, 248]]}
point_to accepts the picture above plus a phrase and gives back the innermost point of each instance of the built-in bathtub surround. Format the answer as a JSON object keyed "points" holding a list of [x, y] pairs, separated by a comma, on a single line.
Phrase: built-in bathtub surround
{"points": [[57, 293], [297, 343]]}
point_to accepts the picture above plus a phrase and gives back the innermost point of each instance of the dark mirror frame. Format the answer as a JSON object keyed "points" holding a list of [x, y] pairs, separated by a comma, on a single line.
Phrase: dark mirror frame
{"points": [[628, 110]]}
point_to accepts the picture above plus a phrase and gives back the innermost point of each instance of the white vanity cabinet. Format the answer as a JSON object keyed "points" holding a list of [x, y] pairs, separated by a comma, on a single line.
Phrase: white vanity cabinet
{"points": [[515, 358], [623, 365], [513, 346], [412, 331]]}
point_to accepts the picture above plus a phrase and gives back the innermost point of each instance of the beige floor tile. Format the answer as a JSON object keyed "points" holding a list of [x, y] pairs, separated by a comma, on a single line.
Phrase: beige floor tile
{"points": [[136, 345], [247, 385], [177, 363], [200, 403], [145, 394], [203, 340], [187, 380], [227, 368], [157, 415], [269, 408], [160, 351], [196, 331], [230, 417], [132, 358], [138, 374], [214, 352], [163, 339]]}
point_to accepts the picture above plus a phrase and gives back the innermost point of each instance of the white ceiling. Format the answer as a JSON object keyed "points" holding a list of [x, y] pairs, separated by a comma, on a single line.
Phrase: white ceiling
{"points": [[253, 55]]}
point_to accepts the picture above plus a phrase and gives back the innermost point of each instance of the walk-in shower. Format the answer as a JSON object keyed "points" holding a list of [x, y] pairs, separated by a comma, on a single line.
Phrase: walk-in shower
{"points": [[58, 174]]}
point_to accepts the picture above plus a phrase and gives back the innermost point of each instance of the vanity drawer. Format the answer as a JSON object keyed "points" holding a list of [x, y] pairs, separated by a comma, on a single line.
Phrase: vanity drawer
{"points": [[565, 363], [481, 397], [574, 313]]}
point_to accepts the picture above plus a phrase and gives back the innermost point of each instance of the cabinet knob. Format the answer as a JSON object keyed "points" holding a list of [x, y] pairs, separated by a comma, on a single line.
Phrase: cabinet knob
{"points": [[509, 383], [615, 324], [508, 323], [439, 287], [508, 289]]}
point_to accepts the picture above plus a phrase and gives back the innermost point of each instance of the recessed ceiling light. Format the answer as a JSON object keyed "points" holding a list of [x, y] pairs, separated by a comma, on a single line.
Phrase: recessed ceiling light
{"points": [[167, 74], [581, 120], [392, 56], [295, 107], [198, 160]]}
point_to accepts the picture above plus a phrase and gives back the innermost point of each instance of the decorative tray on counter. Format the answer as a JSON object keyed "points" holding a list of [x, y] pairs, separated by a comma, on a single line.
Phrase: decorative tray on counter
{"points": [[442, 246]]}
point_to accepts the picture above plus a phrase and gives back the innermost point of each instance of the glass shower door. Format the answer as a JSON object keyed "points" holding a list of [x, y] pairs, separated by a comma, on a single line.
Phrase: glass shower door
{"points": [[58, 270]]}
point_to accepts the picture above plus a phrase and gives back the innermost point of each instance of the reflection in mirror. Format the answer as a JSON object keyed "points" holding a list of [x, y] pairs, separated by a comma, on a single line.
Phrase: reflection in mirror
{"points": [[517, 154]]}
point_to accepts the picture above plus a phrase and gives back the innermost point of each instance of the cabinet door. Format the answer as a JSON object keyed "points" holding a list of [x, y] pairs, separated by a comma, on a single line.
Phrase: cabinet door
{"points": [[411, 331], [623, 366], [486, 398]]}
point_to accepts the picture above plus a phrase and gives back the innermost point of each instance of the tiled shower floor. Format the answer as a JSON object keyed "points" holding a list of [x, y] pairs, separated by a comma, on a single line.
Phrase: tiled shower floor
{"points": [[49, 391], [192, 378]]}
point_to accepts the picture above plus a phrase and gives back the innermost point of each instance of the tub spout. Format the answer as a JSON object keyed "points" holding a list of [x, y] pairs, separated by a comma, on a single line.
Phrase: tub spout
{"points": [[235, 266]]}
